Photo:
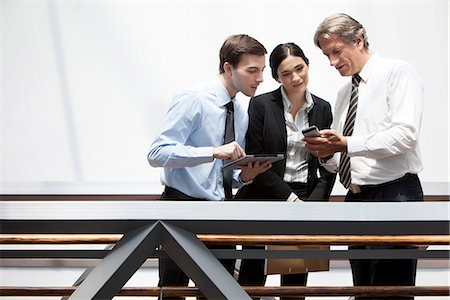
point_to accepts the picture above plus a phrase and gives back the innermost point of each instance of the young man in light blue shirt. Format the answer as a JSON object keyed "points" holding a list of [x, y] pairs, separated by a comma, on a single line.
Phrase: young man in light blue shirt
{"points": [[190, 144]]}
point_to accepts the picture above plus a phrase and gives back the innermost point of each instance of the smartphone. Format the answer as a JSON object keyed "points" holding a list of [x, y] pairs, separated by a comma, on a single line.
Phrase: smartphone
{"points": [[311, 131]]}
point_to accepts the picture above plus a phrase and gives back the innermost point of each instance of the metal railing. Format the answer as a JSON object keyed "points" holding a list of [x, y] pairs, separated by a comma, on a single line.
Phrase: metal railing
{"points": [[183, 228]]}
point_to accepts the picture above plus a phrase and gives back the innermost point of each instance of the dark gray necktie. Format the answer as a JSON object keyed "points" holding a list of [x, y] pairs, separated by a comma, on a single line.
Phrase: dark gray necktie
{"points": [[344, 164], [229, 137]]}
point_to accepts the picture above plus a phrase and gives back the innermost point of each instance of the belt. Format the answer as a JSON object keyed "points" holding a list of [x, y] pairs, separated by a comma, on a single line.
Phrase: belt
{"points": [[172, 193], [355, 189]]}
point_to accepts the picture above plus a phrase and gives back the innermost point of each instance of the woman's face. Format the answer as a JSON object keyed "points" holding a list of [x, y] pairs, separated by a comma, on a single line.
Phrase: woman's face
{"points": [[293, 75]]}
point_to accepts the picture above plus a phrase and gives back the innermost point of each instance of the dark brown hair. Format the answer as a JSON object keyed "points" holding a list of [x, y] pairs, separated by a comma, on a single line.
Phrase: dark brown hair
{"points": [[236, 45], [281, 52]]}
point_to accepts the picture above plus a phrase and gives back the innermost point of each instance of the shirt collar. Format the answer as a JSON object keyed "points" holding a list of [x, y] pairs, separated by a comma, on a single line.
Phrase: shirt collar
{"points": [[369, 67], [308, 105], [222, 96]]}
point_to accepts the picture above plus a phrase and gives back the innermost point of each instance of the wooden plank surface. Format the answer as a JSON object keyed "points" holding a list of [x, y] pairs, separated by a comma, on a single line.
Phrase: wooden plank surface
{"points": [[238, 239], [252, 291]]}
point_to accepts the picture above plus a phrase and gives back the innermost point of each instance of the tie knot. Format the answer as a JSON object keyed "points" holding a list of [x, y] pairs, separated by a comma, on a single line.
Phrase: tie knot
{"points": [[230, 106], [356, 79]]}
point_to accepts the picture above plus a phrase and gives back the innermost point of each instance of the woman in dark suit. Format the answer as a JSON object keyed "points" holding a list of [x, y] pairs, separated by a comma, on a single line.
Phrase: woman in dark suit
{"points": [[275, 123]]}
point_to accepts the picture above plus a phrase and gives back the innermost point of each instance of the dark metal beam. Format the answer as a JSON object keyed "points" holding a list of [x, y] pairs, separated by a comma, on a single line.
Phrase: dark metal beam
{"points": [[111, 274], [246, 254], [199, 264]]}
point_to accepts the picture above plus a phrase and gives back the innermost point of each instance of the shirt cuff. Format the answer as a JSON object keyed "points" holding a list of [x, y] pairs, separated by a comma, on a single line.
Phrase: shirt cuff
{"points": [[242, 182], [206, 152], [292, 197], [356, 145], [323, 160]]}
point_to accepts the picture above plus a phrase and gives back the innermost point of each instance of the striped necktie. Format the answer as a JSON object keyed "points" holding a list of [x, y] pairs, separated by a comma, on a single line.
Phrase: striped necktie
{"points": [[344, 165], [229, 137]]}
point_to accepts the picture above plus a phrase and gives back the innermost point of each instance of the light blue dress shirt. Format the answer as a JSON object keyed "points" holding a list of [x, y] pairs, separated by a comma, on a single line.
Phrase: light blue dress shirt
{"points": [[194, 124]]}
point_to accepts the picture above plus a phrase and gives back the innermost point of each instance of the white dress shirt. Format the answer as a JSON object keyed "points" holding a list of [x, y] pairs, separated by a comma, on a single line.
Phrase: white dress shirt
{"points": [[384, 145], [296, 152]]}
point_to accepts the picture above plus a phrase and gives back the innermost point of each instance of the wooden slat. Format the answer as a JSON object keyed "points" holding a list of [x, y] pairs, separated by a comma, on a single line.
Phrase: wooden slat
{"points": [[327, 239], [59, 238], [367, 291], [238, 239]]}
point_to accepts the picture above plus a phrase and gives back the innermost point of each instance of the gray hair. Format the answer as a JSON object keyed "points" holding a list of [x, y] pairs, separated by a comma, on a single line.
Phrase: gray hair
{"points": [[344, 27]]}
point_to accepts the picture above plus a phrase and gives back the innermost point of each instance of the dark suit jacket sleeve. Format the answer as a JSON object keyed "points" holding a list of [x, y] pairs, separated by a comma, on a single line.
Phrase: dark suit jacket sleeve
{"points": [[261, 139], [326, 181]]}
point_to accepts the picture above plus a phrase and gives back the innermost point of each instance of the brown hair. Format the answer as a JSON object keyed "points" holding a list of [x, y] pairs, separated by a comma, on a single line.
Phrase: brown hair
{"points": [[236, 45]]}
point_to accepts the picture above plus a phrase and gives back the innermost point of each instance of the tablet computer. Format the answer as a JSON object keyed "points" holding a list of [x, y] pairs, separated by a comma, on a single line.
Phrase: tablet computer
{"points": [[243, 161]]}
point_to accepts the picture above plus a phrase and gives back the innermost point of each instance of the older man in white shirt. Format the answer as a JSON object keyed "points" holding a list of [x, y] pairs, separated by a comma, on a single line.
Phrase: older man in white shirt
{"points": [[373, 143]]}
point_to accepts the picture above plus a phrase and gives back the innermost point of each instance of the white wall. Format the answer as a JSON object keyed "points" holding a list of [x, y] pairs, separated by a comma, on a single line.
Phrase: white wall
{"points": [[85, 85]]}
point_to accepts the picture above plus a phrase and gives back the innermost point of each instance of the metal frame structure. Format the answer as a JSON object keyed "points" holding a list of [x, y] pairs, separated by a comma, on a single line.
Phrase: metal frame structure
{"points": [[174, 225]]}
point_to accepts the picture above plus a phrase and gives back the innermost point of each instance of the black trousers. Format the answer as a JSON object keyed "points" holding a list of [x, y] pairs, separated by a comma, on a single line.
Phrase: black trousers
{"points": [[169, 272], [395, 272], [252, 270]]}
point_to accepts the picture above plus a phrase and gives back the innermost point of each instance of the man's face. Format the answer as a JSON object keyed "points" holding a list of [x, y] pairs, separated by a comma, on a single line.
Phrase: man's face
{"points": [[347, 58], [248, 74]]}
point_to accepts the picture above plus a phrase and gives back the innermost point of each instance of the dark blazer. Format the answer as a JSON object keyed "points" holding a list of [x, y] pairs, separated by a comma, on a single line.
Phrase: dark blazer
{"points": [[267, 135]]}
